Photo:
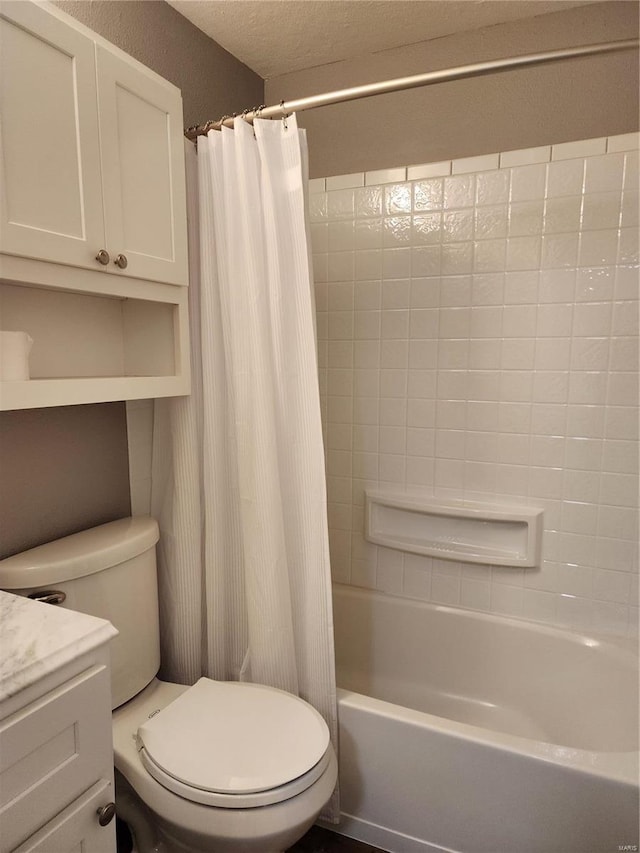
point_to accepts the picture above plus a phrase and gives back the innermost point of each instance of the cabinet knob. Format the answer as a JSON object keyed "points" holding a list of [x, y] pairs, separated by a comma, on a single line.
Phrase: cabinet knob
{"points": [[121, 261], [102, 257], [106, 814]]}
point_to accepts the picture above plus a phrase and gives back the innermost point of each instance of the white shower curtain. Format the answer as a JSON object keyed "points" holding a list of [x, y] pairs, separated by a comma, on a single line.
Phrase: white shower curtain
{"points": [[244, 560]]}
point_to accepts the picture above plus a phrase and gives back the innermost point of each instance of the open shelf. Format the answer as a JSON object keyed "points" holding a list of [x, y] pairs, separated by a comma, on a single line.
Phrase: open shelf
{"points": [[95, 348]]}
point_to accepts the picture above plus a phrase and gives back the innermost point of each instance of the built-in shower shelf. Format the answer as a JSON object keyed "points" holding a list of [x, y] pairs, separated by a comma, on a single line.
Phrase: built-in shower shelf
{"points": [[454, 530]]}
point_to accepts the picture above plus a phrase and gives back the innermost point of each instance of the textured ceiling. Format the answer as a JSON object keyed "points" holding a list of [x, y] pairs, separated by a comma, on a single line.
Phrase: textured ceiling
{"points": [[276, 37]]}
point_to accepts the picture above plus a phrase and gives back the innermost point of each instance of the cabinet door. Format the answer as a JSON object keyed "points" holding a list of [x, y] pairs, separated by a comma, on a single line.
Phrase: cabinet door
{"points": [[49, 150], [76, 829], [141, 139]]}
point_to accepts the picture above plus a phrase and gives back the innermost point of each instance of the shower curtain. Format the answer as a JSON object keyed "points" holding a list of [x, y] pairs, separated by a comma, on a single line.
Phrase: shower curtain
{"points": [[239, 481]]}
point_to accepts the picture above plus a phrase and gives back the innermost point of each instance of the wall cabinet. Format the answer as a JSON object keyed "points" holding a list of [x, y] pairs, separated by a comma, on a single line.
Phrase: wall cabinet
{"points": [[92, 153], [92, 188]]}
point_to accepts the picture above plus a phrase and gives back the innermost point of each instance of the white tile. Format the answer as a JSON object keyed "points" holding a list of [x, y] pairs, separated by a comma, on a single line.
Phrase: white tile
{"points": [[588, 388], [625, 318], [539, 605], [426, 261], [317, 207], [565, 178], [492, 187], [483, 163], [560, 250], [428, 195], [562, 214], [445, 589], [595, 284], [604, 174], [582, 148], [552, 354], [391, 468], [397, 198], [317, 185], [475, 594], [416, 581], [340, 236], [491, 222], [343, 182], [385, 176], [601, 210], [429, 170], [340, 266], [368, 201], [340, 204], [396, 231], [525, 156], [590, 353], [592, 319], [363, 574], [623, 142], [426, 229], [618, 522], [629, 249], [610, 618], [583, 453], [525, 217], [523, 253], [394, 353], [422, 383], [459, 191], [396, 263], [506, 600], [598, 248], [489, 256], [574, 612], [457, 258], [368, 234], [528, 182], [368, 265]]}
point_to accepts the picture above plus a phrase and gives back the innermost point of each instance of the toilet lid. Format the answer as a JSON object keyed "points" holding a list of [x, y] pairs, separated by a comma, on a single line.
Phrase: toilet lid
{"points": [[233, 738]]}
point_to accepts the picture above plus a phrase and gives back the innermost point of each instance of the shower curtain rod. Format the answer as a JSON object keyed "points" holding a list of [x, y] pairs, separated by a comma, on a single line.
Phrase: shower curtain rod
{"points": [[428, 79]]}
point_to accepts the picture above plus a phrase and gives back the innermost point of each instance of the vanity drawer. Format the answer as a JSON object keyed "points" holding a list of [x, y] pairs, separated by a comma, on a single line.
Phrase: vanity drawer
{"points": [[77, 828], [51, 751]]}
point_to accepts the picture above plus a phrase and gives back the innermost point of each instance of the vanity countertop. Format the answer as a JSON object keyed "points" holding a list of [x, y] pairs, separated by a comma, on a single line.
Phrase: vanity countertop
{"points": [[37, 638]]}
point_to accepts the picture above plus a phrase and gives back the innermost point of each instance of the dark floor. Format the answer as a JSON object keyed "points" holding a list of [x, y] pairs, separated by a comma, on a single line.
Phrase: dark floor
{"points": [[319, 840]]}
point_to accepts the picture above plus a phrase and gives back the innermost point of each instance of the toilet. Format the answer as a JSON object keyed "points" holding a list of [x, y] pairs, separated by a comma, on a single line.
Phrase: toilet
{"points": [[218, 767]]}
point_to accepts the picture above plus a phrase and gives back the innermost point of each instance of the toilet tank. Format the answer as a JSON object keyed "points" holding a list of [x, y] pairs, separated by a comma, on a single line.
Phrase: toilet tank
{"points": [[107, 571]]}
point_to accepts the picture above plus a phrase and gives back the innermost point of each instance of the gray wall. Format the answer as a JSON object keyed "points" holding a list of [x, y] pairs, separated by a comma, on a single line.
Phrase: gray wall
{"points": [[213, 82], [576, 99], [61, 470], [66, 469]]}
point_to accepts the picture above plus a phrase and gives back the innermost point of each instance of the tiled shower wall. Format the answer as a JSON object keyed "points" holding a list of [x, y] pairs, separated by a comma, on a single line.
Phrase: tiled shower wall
{"points": [[478, 339]]}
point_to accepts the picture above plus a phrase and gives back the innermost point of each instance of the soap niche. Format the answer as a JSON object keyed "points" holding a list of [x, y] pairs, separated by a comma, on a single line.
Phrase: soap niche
{"points": [[79, 338]]}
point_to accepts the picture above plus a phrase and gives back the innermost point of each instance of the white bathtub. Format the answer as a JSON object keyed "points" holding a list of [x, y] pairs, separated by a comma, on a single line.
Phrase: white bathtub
{"points": [[468, 732]]}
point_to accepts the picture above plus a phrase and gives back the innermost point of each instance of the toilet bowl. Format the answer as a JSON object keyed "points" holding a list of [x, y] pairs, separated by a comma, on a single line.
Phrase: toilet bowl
{"points": [[217, 767], [185, 824]]}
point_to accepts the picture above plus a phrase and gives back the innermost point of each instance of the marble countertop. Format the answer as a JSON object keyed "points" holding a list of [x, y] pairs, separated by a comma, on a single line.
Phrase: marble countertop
{"points": [[37, 638]]}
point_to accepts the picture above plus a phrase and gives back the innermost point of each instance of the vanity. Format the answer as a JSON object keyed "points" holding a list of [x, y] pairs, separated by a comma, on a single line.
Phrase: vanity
{"points": [[56, 762]]}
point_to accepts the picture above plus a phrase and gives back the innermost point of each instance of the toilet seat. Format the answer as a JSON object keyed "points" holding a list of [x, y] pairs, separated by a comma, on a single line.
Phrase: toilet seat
{"points": [[235, 745]]}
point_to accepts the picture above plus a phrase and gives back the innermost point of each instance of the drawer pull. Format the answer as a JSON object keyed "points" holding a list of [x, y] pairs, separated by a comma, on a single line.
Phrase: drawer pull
{"points": [[106, 814], [121, 261], [48, 596], [102, 257]]}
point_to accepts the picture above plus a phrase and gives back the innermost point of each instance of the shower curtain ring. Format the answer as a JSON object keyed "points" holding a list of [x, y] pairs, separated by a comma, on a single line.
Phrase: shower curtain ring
{"points": [[285, 116]]}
